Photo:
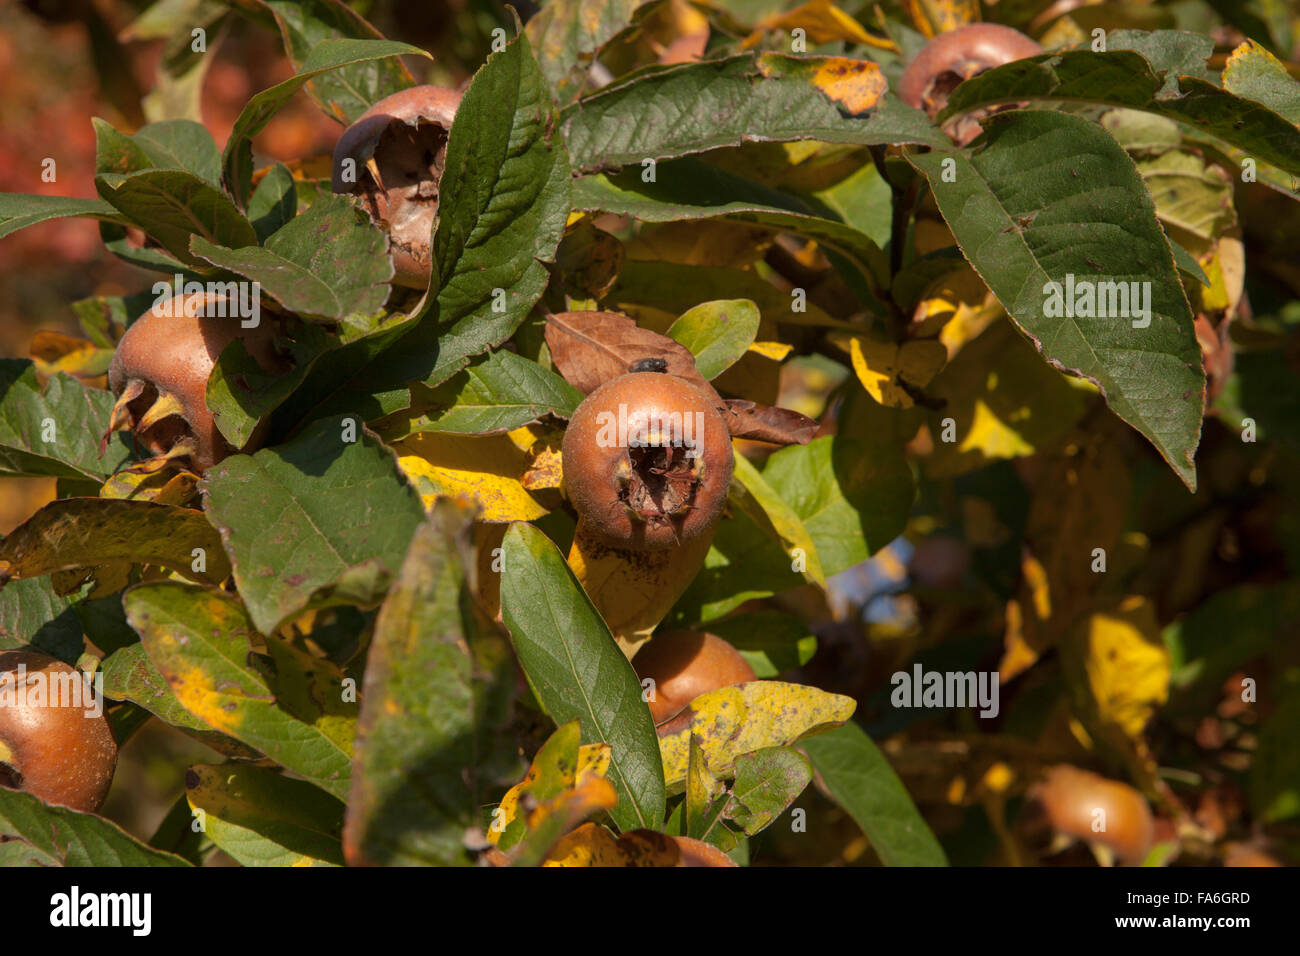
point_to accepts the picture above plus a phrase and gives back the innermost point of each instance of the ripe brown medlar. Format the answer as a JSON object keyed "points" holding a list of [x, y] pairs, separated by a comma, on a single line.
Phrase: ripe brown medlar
{"points": [[52, 745], [684, 665], [698, 853], [398, 149], [160, 373], [950, 59], [647, 461], [1080, 805]]}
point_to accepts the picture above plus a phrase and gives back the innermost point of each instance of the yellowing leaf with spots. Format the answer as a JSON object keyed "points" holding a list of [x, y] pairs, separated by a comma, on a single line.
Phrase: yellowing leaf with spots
{"points": [[487, 471], [593, 845], [739, 720], [564, 785], [893, 373], [856, 86], [201, 641]]}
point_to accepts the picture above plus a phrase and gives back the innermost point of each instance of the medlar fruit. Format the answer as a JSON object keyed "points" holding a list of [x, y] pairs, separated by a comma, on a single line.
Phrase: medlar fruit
{"points": [[698, 853], [1077, 804], [398, 149], [160, 373], [647, 461], [51, 743], [684, 665], [950, 59]]}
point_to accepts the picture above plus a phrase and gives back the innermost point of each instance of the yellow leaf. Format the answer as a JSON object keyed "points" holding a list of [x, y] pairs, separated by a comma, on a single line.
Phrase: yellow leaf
{"points": [[884, 367], [1126, 664], [822, 21], [738, 720], [933, 17], [593, 845], [484, 470], [777, 351]]}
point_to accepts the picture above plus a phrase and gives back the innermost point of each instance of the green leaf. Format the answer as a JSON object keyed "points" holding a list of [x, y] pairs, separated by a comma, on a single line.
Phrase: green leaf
{"points": [[717, 333], [859, 778], [430, 749], [690, 190], [32, 613], [494, 394], [767, 781], [262, 818], [769, 510], [180, 144], [1048, 196], [771, 641], [321, 520], [852, 496], [326, 57], [1275, 770], [1159, 78], [274, 202], [328, 263], [200, 641], [54, 430], [172, 206], [1254, 73], [347, 92], [668, 112], [567, 33], [20, 210], [506, 201], [578, 672], [33, 834]]}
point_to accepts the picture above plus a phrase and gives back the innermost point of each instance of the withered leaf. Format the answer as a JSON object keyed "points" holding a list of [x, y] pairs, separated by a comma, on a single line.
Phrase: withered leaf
{"points": [[590, 348], [768, 423]]}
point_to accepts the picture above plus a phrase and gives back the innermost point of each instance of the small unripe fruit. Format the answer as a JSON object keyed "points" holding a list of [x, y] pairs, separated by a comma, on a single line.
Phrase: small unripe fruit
{"points": [[52, 745], [956, 56], [684, 665], [399, 149], [647, 461], [1082, 805], [160, 374]]}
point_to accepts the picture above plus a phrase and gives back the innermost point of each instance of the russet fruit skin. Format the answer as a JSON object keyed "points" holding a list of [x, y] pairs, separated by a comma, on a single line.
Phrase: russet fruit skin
{"points": [[698, 853], [646, 498], [1069, 798], [406, 137], [60, 754], [171, 356], [684, 665], [955, 56]]}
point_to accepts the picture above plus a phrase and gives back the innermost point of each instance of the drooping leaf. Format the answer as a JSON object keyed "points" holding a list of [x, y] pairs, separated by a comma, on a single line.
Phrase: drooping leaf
{"points": [[429, 751], [668, 112], [1077, 210], [578, 672], [860, 779]]}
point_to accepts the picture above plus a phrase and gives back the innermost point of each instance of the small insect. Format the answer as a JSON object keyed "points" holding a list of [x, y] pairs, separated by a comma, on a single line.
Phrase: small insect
{"points": [[649, 365]]}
